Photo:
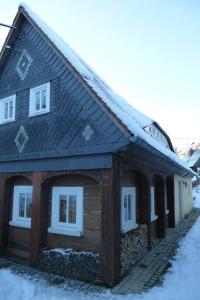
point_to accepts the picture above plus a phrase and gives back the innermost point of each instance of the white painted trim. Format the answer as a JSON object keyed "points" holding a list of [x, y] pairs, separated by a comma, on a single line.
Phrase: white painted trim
{"points": [[2, 107], [128, 225], [32, 111], [65, 231], [152, 199], [64, 227], [16, 219], [20, 224], [154, 218], [128, 228]]}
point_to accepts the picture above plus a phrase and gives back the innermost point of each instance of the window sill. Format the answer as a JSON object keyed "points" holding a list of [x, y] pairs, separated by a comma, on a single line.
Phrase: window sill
{"points": [[66, 231], [7, 121], [154, 218], [129, 228], [20, 224], [34, 114]]}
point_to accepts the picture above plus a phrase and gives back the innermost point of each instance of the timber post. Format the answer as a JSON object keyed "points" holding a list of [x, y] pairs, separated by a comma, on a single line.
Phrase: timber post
{"points": [[4, 217], [111, 237], [36, 223]]}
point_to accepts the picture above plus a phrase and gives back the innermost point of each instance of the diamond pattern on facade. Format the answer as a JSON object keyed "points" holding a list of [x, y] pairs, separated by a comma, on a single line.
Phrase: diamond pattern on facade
{"points": [[21, 139], [87, 133], [24, 64]]}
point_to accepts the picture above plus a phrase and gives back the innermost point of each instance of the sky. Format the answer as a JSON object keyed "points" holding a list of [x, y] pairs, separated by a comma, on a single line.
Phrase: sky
{"points": [[147, 51]]}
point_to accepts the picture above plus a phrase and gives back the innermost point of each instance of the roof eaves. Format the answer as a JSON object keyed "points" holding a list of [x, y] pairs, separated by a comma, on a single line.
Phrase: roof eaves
{"points": [[184, 169]]}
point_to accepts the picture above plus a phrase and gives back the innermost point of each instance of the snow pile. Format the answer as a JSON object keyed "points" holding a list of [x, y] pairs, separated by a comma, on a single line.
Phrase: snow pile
{"points": [[134, 120], [196, 196], [69, 251]]}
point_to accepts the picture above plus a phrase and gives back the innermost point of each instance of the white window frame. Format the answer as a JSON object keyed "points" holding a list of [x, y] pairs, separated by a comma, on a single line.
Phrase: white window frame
{"points": [[153, 210], [131, 224], [33, 91], [3, 102], [65, 228], [18, 221]]}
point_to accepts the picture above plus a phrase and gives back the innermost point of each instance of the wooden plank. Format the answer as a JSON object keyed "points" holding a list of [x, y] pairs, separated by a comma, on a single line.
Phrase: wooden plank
{"points": [[4, 217], [91, 240], [19, 234], [18, 245], [18, 253]]}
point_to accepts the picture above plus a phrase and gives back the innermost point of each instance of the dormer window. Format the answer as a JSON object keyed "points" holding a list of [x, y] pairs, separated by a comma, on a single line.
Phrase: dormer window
{"points": [[7, 109], [39, 100]]}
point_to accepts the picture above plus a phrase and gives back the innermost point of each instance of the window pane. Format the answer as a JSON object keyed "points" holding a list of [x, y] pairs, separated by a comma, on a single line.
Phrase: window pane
{"points": [[37, 101], [10, 109], [125, 208], [129, 207], [28, 205], [6, 111], [63, 208], [72, 209], [21, 204], [43, 99]]}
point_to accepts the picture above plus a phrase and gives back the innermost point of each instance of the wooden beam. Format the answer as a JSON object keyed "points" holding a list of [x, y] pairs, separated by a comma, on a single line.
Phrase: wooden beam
{"points": [[4, 217], [36, 223], [111, 237]]}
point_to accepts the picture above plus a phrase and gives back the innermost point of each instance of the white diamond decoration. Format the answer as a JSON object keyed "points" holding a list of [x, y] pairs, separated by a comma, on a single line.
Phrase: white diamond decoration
{"points": [[87, 133], [21, 139], [24, 64]]}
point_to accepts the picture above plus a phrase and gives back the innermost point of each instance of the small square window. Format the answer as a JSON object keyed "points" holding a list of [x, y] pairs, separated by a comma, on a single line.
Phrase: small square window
{"points": [[128, 209], [39, 100], [7, 109], [67, 211], [22, 206]]}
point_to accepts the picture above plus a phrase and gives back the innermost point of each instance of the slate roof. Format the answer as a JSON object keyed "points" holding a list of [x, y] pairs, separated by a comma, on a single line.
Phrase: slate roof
{"points": [[133, 120]]}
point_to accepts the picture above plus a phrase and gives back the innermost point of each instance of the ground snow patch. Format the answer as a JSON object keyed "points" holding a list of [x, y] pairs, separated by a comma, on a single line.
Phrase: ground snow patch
{"points": [[181, 282], [196, 196]]}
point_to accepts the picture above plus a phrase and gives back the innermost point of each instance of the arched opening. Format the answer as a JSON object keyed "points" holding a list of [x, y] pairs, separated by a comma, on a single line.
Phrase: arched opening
{"points": [[18, 215], [72, 212], [170, 201], [142, 198], [159, 191], [135, 241]]}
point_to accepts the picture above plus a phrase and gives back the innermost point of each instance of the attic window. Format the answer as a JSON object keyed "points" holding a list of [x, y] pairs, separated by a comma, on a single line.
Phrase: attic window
{"points": [[39, 100], [7, 109]]}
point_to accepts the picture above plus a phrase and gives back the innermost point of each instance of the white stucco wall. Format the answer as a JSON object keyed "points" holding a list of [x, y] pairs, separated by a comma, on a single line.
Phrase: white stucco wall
{"points": [[186, 184]]}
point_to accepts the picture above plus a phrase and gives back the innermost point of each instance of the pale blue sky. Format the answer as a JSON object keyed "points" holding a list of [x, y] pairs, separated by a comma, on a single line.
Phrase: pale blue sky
{"points": [[147, 50]]}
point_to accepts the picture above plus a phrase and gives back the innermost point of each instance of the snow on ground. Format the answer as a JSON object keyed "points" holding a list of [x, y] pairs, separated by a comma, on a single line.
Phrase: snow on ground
{"points": [[196, 196], [181, 282]]}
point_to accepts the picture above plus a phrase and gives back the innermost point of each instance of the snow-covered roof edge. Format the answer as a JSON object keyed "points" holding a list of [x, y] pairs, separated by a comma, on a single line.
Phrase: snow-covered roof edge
{"points": [[134, 120], [119, 106]]}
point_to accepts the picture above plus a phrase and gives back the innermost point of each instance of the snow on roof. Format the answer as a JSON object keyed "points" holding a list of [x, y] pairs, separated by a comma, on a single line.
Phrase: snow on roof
{"points": [[191, 161], [124, 111], [133, 119]]}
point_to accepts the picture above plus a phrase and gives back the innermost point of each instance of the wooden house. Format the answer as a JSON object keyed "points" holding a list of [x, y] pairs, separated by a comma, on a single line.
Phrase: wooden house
{"points": [[88, 183]]}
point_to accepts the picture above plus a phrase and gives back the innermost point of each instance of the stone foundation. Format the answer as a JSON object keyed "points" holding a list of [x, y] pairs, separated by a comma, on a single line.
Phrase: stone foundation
{"points": [[80, 265], [134, 245]]}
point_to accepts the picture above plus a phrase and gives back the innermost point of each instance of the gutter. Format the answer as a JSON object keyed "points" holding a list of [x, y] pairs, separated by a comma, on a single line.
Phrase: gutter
{"points": [[140, 142]]}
